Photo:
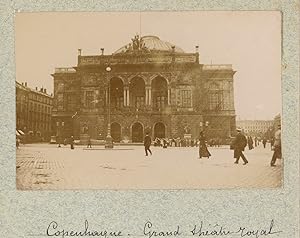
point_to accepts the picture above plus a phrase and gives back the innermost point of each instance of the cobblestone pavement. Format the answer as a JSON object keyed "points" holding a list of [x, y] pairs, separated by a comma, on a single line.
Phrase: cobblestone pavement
{"points": [[44, 166]]}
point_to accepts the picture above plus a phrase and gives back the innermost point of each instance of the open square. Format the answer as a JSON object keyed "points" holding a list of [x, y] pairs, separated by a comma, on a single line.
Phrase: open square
{"points": [[44, 166]]}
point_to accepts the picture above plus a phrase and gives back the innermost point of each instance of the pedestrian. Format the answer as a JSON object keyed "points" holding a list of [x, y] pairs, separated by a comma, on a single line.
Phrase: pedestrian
{"points": [[59, 141], [147, 144], [277, 146], [264, 141], [239, 144], [165, 144], [255, 141], [89, 145], [250, 142], [203, 151], [272, 143], [72, 143]]}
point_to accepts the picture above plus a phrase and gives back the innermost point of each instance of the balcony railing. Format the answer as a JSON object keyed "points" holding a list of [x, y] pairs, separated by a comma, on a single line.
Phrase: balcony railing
{"points": [[217, 67], [65, 70]]}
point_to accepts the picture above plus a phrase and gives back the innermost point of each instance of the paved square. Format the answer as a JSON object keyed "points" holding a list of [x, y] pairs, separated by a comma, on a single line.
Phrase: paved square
{"points": [[44, 166]]}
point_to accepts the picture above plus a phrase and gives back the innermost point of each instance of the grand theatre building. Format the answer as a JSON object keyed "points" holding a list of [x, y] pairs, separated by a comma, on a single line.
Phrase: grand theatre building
{"points": [[151, 86]]}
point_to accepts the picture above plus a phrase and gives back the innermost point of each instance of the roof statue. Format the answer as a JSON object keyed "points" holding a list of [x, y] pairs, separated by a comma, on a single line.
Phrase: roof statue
{"points": [[148, 44]]}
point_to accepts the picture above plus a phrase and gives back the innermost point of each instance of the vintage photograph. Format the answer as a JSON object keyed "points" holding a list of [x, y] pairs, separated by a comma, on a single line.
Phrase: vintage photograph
{"points": [[148, 100]]}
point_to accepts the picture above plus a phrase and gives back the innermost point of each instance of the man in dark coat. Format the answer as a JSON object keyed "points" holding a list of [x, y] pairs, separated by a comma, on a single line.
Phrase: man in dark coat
{"points": [[72, 143], [277, 146], [239, 145], [147, 143]]}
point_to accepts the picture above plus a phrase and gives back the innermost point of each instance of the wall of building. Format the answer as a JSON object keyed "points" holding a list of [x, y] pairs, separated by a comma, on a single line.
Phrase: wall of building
{"points": [[33, 112], [180, 95]]}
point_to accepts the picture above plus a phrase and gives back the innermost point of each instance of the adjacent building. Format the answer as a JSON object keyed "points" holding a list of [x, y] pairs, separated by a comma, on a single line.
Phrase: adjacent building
{"points": [[151, 86], [255, 127], [33, 112]]}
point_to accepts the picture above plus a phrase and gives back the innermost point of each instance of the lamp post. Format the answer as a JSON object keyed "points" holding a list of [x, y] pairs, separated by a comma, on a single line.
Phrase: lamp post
{"points": [[59, 129], [108, 142]]}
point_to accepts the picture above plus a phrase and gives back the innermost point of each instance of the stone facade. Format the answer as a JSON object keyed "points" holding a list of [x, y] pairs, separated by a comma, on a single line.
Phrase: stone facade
{"points": [[152, 87], [255, 127], [33, 112]]}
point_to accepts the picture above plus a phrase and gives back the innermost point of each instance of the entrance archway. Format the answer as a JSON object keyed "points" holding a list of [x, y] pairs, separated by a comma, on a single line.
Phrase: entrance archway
{"points": [[137, 132], [116, 132], [159, 130]]}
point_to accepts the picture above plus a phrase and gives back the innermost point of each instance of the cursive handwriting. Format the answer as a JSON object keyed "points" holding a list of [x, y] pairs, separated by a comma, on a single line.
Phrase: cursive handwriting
{"points": [[218, 230], [244, 232], [150, 232], [53, 230]]}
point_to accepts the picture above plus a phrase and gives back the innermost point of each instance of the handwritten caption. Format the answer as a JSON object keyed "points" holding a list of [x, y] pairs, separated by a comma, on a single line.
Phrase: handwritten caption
{"points": [[150, 231]]}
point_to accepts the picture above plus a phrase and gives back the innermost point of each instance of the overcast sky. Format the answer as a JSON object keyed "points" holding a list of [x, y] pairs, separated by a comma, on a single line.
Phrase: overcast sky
{"points": [[250, 41]]}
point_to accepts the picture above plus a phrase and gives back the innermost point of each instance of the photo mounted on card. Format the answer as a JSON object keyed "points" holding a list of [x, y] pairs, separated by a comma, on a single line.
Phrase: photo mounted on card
{"points": [[174, 100]]}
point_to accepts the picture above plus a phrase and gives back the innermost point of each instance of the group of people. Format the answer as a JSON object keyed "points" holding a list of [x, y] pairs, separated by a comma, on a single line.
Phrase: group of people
{"points": [[238, 145], [175, 142], [254, 142]]}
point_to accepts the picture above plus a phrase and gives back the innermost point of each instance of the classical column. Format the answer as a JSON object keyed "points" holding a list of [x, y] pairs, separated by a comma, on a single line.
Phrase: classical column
{"points": [[169, 93], [106, 97], [124, 97], [149, 96], [127, 93]]}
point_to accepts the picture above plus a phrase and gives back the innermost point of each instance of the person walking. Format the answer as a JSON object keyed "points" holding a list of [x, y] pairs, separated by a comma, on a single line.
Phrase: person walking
{"points": [[239, 144], [72, 142], [255, 141], [277, 147], [147, 144], [264, 141], [89, 145], [203, 151], [250, 143]]}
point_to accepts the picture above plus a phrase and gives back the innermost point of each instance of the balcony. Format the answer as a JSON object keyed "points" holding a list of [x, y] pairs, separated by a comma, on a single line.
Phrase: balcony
{"points": [[65, 70], [217, 67]]}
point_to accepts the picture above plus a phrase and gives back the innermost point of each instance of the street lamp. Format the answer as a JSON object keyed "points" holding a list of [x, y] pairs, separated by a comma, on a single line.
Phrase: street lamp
{"points": [[59, 131], [108, 142]]}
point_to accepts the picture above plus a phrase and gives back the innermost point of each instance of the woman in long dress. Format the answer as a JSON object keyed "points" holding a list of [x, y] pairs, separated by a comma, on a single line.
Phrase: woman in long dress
{"points": [[203, 151]]}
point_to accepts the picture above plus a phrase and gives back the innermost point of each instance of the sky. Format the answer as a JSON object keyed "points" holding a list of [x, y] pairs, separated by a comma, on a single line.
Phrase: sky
{"points": [[249, 40]]}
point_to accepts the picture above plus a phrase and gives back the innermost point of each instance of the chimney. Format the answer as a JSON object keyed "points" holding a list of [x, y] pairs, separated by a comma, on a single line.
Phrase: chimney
{"points": [[197, 48], [22, 84], [41, 90], [102, 51], [45, 90], [36, 89], [79, 52], [25, 84], [173, 48]]}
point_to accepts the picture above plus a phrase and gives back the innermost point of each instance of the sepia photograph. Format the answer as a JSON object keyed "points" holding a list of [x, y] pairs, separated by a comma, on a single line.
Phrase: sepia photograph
{"points": [[148, 100]]}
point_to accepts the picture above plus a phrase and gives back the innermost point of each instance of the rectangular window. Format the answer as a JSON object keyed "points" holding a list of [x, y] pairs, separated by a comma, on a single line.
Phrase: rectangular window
{"points": [[139, 101], [160, 102], [71, 102], [60, 98], [89, 99], [119, 102], [186, 98], [216, 101]]}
